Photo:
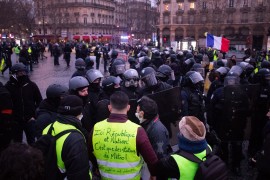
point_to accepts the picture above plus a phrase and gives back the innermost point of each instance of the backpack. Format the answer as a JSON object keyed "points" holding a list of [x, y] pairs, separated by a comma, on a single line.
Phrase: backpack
{"points": [[211, 168], [47, 144]]}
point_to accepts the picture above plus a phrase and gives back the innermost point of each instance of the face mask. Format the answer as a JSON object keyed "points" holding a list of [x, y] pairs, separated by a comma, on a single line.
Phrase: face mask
{"points": [[80, 117], [22, 78], [95, 86], [140, 118]]}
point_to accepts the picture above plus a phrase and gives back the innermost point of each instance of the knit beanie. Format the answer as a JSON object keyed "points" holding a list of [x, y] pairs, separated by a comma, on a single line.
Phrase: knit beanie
{"points": [[70, 105], [192, 128]]}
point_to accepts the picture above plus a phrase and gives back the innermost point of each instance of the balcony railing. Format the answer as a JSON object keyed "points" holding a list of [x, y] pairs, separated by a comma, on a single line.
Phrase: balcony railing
{"points": [[166, 1], [82, 4]]}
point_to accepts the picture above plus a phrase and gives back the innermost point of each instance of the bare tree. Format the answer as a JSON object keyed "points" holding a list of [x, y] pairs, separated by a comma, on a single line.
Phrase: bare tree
{"points": [[16, 16]]}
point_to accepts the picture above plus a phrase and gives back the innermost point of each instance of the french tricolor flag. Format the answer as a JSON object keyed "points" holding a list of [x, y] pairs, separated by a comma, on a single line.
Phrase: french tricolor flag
{"points": [[216, 42]]}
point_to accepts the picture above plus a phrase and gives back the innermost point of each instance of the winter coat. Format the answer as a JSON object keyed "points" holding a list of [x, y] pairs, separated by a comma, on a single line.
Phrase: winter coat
{"points": [[26, 97], [46, 114]]}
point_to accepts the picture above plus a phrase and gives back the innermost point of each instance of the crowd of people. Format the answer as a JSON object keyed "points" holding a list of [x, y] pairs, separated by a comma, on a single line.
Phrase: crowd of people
{"points": [[118, 126]]}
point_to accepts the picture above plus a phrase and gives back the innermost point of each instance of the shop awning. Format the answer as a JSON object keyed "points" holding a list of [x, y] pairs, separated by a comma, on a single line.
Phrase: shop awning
{"points": [[86, 38], [76, 37]]}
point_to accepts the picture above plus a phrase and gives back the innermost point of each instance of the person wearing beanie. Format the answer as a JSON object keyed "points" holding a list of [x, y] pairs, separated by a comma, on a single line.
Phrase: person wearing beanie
{"points": [[191, 139], [73, 149]]}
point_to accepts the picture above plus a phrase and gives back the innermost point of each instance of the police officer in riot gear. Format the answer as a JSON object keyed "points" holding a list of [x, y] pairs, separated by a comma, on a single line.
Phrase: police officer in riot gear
{"points": [[130, 85], [109, 86], [133, 63], [192, 96], [259, 110], [118, 68], [80, 66], [95, 93], [153, 86], [218, 82], [229, 108], [113, 55], [165, 74]]}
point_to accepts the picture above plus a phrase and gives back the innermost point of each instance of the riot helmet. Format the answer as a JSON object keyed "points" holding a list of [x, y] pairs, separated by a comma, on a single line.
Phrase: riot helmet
{"points": [[131, 78], [189, 55], [198, 68], [232, 79], [56, 91], [111, 84], [118, 67], [222, 72], [194, 80], [80, 64], [141, 54], [77, 83], [19, 67], [265, 64], [148, 76], [173, 57], [194, 77], [263, 76], [145, 49], [89, 62], [145, 62], [132, 60], [164, 73], [235, 70], [114, 54], [157, 53], [188, 64], [93, 74]]}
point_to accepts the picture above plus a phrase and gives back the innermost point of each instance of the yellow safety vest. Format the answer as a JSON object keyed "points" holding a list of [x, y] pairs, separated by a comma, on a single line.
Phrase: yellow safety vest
{"points": [[17, 50], [114, 146], [267, 57], [29, 50], [215, 55], [187, 168], [57, 128]]}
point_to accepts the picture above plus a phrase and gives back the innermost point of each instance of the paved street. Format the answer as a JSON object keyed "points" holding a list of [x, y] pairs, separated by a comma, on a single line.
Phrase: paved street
{"points": [[45, 73]]}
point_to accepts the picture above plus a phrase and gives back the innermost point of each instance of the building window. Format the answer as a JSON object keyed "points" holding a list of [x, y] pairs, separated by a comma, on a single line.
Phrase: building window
{"points": [[180, 6], [192, 5], [231, 3], [77, 20], [85, 20], [245, 2], [179, 19], [166, 20], [191, 19], [260, 2], [204, 5], [166, 7], [245, 17]]}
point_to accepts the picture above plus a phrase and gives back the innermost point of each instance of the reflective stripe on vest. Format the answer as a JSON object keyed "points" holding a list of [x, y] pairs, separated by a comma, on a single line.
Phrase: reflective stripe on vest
{"points": [[114, 146], [59, 127], [187, 168]]}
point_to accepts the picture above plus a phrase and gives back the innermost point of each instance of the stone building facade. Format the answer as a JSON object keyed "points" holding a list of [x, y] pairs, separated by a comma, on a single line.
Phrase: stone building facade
{"points": [[88, 20], [245, 22], [142, 19]]}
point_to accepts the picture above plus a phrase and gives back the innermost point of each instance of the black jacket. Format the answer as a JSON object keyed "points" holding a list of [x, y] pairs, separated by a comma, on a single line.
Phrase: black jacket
{"points": [[6, 122], [74, 151], [25, 97], [46, 114]]}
